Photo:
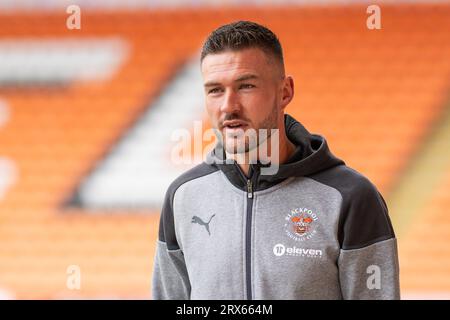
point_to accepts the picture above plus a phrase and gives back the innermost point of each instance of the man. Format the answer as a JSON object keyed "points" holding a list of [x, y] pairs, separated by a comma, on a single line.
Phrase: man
{"points": [[314, 229]]}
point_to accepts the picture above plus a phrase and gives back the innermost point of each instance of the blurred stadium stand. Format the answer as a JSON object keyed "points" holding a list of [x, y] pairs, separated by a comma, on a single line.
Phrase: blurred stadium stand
{"points": [[86, 118]]}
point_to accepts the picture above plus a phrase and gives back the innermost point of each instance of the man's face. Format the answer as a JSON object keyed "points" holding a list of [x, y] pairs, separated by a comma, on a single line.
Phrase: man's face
{"points": [[242, 91]]}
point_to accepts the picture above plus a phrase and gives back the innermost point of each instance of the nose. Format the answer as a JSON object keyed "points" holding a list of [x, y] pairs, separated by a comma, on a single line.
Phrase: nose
{"points": [[230, 102]]}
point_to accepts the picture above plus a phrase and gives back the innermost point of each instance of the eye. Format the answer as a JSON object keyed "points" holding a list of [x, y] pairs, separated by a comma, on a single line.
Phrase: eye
{"points": [[214, 90], [246, 86]]}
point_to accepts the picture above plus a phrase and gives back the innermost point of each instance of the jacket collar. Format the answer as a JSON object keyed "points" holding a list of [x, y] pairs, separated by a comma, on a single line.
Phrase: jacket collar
{"points": [[312, 155]]}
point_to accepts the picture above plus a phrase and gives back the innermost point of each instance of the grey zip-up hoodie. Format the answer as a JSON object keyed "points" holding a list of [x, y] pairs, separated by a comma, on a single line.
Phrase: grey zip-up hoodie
{"points": [[315, 230]]}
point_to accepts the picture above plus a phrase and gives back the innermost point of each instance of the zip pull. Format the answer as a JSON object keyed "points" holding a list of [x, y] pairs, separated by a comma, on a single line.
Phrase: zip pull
{"points": [[249, 189]]}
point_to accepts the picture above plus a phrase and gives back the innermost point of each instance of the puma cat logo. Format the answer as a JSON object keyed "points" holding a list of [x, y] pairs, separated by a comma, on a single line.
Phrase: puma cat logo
{"points": [[198, 220]]}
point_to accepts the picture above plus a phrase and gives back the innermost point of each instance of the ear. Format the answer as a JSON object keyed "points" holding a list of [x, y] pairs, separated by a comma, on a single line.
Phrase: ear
{"points": [[287, 93]]}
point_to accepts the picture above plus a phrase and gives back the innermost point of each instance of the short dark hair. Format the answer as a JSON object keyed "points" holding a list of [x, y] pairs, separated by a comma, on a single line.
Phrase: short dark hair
{"points": [[242, 35]]}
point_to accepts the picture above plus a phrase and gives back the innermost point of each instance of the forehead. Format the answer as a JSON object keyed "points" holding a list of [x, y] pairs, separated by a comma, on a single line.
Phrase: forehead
{"points": [[230, 64]]}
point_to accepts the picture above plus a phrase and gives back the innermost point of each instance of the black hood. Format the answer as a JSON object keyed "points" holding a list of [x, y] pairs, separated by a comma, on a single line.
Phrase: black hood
{"points": [[312, 155]]}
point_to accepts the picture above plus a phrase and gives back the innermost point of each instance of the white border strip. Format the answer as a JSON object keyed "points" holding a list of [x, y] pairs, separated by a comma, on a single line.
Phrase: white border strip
{"points": [[107, 5]]}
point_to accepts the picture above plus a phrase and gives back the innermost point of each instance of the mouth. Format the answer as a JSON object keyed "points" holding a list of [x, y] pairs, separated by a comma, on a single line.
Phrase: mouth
{"points": [[233, 126]]}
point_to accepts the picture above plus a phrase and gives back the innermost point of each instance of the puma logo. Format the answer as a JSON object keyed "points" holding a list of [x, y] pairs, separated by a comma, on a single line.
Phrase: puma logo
{"points": [[199, 221]]}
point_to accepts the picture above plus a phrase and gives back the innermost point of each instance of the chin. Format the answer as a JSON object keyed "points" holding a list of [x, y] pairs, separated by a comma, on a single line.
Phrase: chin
{"points": [[236, 148]]}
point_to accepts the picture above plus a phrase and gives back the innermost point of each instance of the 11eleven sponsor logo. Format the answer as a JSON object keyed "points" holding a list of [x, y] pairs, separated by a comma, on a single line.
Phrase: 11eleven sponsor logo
{"points": [[281, 250]]}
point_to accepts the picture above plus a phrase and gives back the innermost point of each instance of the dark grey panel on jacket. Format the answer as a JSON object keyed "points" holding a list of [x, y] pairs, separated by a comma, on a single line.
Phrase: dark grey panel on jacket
{"points": [[364, 218]]}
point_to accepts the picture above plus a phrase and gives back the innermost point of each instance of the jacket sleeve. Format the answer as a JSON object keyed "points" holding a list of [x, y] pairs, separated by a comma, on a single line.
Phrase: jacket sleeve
{"points": [[368, 260], [170, 278]]}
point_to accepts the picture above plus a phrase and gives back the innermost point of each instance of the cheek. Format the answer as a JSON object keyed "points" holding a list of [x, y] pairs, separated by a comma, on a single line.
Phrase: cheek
{"points": [[258, 105], [213, 110]]}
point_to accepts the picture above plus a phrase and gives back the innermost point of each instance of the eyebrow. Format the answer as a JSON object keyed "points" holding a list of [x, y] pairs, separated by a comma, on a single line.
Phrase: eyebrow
{"points": [[241, 78], [247, 77]]}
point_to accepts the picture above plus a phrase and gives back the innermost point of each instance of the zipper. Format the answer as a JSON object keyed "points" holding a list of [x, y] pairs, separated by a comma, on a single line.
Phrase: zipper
{"points": [[248, 239], [251, 183], [249, 189]]}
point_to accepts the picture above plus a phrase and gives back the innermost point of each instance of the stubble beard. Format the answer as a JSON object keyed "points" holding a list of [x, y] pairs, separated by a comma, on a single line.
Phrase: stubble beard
{"points": [[252, 138]]}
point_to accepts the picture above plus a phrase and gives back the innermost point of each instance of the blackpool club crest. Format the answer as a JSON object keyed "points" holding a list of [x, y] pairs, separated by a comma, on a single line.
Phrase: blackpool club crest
{"points": [[300, 224]]}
